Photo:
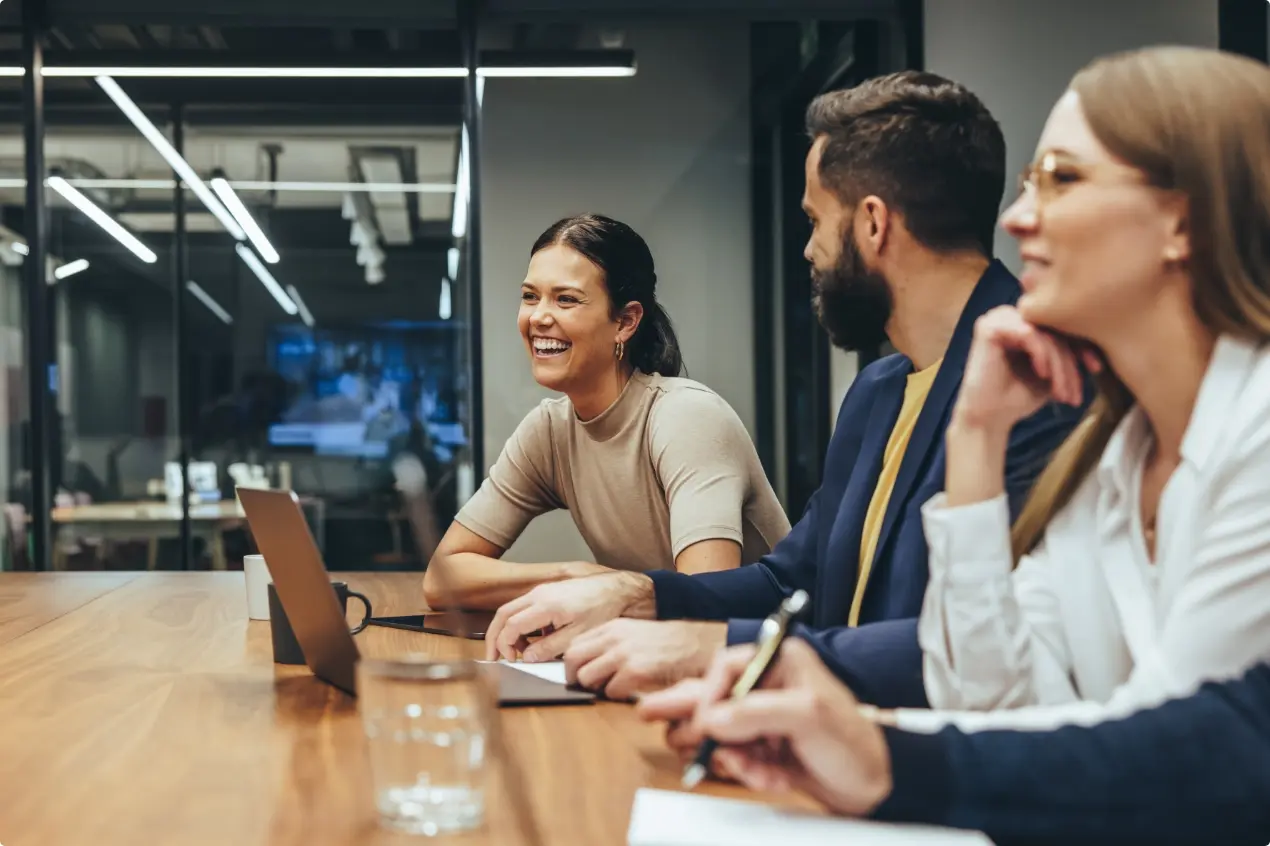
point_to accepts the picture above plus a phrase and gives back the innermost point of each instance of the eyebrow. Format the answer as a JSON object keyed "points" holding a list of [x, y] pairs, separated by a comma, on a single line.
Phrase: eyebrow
{"points": [[555, 289]]}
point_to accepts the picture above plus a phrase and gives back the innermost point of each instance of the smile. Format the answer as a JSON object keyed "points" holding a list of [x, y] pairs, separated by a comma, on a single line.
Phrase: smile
{"points": [[549, 347]]}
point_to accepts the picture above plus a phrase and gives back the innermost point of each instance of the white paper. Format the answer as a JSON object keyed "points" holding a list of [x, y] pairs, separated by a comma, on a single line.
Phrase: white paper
{"points": [[552, 671], [670, 818]]}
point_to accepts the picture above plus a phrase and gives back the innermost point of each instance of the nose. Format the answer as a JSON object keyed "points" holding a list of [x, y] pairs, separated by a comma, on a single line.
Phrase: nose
{"points": [[541, 315], [807, 254], [1022, 217]]}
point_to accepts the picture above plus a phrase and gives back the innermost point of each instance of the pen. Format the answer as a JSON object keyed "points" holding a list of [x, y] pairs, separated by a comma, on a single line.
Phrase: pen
{"points": [[770, 637]]}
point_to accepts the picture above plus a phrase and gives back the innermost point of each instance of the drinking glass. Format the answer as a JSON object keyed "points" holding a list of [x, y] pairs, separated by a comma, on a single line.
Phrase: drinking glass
{"points": [[427, 728]]}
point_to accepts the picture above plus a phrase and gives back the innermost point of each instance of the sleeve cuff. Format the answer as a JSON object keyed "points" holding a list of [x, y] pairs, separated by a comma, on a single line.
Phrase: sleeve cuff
{"points": [[706, 533], [670, 593], [741, 632], [921, 778], [970, 542]]}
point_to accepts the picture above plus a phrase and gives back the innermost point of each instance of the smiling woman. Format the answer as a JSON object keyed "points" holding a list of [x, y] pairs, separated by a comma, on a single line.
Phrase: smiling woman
{"points": [[657, 471]]}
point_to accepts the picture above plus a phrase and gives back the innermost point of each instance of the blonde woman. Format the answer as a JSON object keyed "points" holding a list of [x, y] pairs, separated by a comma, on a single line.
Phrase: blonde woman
{"points": [[1141, 565]]}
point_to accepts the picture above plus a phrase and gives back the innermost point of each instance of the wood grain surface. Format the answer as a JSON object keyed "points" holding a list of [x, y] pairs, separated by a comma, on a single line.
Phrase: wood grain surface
{"points": [[150, 712], [29, 600]]}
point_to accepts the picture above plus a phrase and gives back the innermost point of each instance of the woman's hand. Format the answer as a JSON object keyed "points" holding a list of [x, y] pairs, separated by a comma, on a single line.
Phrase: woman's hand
{"points": [[1014, 368], [803, 730]]}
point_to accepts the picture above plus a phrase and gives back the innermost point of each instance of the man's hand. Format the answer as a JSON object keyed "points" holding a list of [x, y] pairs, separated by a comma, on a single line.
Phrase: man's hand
{"points": [[803, 730], [564, 610], [629, 657]]}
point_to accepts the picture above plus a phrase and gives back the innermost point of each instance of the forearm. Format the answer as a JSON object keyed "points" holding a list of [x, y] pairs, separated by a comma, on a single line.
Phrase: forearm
{"points": [[1192, 771], [473, 581], [976, 462]]}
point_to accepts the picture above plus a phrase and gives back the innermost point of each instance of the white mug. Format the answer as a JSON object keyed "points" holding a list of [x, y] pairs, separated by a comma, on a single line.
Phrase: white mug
{"points": [[258, 579]]}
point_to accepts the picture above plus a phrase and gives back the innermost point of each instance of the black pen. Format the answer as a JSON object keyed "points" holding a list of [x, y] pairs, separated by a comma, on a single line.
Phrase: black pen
{"points": [[770, 637]]}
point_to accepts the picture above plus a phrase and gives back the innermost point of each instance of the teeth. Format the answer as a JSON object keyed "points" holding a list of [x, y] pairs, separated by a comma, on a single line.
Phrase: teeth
{"points": [[549, 345]]}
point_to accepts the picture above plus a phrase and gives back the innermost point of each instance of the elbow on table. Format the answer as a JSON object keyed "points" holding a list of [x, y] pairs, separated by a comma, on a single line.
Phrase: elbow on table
{"points": [[435, 594]]}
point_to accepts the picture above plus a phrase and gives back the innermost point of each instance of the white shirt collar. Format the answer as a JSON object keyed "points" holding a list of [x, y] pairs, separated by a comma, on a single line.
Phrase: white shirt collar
{"points": [[1227, 371]]}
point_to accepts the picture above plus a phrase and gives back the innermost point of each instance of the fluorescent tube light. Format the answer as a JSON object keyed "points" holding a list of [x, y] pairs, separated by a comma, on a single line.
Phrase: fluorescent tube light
{"points": [[71, 268], [245, 220], [105, 221], [266, 278], [260, 72], [445, 307], [452, 262], [211, 72], [170, 155], [20, 248], [607, 72], [206, 299], [258, 185], [305, 315], [458, 222]]}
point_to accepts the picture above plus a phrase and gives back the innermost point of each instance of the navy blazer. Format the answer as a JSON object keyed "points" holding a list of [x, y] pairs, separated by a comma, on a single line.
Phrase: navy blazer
{"points": [[881, 659]]}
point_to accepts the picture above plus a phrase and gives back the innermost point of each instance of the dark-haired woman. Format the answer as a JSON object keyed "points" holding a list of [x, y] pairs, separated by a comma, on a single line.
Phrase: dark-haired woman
{"points": [[657, 471]]}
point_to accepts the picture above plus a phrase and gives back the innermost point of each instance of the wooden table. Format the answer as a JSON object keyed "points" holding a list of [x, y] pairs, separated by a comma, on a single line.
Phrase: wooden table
{"points": [[146, 709], [154, 521]]}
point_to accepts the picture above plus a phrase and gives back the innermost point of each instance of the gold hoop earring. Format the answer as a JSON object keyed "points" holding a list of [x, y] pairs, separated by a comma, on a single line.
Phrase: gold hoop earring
{"points": [[619, 350]]}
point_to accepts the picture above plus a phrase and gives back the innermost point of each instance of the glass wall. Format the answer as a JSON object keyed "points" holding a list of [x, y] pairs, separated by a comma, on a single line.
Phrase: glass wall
{"points": [[300, 323], [326, 295]]}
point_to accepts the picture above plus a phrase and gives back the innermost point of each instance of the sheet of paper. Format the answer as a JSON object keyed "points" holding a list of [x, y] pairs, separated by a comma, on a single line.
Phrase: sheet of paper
{"points": [[552, 671], [670, 818]]}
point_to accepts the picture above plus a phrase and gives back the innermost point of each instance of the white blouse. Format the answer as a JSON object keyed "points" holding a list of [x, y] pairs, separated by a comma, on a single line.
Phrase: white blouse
{"points": [[1087, 628]]}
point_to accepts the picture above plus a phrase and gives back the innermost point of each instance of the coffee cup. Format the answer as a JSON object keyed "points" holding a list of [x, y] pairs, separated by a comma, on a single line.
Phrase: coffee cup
{"points": [[286, 649], [256, 574]]}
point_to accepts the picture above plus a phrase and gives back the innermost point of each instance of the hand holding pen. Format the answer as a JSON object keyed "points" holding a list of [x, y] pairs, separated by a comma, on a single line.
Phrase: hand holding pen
{"points": [[771, 635], [801, 730]]}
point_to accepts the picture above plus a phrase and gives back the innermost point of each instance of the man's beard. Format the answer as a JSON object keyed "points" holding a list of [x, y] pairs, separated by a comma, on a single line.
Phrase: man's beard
{"points": [[852, 302]]}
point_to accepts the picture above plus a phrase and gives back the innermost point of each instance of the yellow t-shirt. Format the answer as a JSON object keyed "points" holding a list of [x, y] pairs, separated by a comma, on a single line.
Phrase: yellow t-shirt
{"points": [[916, 388]]}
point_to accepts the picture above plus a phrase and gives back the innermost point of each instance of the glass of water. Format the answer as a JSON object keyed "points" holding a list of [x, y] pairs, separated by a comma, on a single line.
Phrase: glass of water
{"points": [[427, 727]]}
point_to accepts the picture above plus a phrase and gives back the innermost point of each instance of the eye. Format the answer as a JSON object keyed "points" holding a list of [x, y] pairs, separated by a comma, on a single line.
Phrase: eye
{"points": [[528, 296], [568, 299]]}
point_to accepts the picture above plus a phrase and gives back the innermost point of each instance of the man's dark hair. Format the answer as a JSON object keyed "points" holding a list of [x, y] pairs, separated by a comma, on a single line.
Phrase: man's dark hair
{"points": [[924, 144]]}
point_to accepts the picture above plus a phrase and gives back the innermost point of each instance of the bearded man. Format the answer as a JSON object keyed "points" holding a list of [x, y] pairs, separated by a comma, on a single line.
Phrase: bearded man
{"points": [[904, 180]]}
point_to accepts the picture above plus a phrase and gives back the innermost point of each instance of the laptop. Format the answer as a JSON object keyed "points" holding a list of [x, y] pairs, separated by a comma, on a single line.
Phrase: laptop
{"points": [[304, 589]]}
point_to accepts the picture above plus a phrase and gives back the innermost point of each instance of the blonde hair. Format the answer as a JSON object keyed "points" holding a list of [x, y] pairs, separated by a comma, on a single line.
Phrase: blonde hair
{"points": [[1197, 122]]}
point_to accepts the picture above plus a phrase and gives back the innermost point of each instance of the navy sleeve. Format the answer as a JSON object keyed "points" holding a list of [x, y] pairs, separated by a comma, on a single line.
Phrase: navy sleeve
{"points": [[1032, 442], [1195, 770], [752, 591], [756, 591]]}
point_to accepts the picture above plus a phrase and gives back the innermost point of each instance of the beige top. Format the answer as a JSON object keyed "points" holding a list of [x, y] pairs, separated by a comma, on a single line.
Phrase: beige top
{"points": [[669, 464]]}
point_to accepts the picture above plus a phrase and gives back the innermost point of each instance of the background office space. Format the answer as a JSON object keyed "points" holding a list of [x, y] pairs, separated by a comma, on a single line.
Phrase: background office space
{"points": [[387, 321]]}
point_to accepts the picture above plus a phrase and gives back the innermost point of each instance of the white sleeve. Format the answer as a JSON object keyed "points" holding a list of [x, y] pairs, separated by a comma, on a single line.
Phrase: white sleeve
{"points": [[1216, 627], [991, 634]]}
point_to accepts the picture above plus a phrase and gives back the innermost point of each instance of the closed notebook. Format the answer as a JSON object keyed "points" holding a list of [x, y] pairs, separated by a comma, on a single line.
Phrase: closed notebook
{"points": [[671, 818]]}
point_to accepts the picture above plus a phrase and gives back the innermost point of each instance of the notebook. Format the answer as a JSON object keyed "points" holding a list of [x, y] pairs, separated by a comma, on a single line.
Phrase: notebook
{"points": [[671, 818]]}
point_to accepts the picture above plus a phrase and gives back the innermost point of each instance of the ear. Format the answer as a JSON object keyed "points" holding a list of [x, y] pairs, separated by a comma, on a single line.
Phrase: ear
{"points": [[628, 321], [1177, 241], [873, 224]]}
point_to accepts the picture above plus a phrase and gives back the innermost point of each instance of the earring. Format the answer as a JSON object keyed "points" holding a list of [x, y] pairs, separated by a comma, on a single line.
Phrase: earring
{"points": [[619, 350], [1172, 255]]}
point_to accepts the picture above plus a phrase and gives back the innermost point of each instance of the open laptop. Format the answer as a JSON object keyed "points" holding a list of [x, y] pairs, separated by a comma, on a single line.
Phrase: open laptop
{"points": [[304, 589]]}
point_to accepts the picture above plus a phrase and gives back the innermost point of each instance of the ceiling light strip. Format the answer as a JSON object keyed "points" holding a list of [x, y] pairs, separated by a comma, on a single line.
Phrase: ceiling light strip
{"points": [[516, 72], [305, 315], [105, 221], [170, 155], [206, 299], [266, 278], [254, 233], [254, 185], [71, 268]]}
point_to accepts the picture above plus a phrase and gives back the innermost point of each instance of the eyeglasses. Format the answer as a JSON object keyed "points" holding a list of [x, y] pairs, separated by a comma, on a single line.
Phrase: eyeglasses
{"points": [[1054, 173]]}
